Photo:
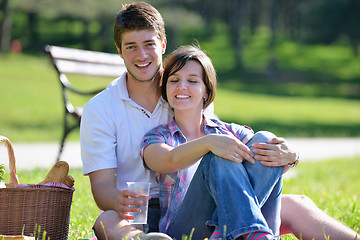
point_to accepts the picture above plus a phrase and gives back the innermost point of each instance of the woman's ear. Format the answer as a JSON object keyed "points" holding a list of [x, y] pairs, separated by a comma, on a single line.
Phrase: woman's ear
{"points": [[206, 97]]}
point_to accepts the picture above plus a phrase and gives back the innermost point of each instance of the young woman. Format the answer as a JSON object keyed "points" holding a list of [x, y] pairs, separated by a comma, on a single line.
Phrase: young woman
{"points": [[208, 177]]}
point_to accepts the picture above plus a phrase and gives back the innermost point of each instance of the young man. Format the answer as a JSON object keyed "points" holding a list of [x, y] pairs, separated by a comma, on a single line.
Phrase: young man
{"points": [[114, 122]]}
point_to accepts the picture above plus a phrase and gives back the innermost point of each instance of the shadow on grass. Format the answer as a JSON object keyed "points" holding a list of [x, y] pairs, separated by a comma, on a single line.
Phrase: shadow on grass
{"points": [[304, 129], [294, 83]]}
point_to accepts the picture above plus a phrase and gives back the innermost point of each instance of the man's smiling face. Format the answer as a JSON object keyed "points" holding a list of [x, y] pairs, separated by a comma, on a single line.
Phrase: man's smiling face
{"points": [[142, 53]]}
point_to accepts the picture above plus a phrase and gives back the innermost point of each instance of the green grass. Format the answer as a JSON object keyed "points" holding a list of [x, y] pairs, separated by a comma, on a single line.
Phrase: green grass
{"points": [[290, 115], [31, 103], [333, 185], [31, 106]]}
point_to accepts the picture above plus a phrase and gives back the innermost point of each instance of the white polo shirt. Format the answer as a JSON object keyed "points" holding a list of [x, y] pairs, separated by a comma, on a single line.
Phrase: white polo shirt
{"points": [[112, 126]]}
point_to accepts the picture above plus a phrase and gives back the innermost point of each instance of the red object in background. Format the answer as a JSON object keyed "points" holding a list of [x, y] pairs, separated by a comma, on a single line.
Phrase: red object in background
{"points": [[16, 46]]}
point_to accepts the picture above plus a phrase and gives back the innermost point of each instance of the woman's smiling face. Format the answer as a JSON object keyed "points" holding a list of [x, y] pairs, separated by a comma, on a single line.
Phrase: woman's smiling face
{"points": [[186, 89]]}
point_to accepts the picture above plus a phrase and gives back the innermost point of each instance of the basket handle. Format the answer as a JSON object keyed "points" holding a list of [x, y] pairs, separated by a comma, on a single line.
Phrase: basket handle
{"points": [[14, 181]]}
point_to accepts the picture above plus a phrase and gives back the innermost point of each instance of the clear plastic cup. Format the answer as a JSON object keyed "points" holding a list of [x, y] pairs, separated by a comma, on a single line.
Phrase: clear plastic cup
{"points": [[141, 188]]}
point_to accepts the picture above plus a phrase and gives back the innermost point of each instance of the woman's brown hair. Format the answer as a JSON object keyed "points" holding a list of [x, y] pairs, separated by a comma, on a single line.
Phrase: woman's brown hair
{"points": [[177, 60]]}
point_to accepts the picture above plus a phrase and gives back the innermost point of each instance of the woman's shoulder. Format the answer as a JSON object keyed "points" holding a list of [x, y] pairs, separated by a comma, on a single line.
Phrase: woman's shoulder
{"points": [[159, 130], [219, 123], [232, 127]]}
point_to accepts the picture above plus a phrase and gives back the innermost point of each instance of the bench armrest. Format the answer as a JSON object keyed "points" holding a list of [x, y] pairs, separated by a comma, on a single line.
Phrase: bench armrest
{"points": [[66, 84]]}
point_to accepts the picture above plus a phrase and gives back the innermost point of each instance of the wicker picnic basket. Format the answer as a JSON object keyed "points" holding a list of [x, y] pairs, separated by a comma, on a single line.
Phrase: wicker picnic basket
{"points": [[24, 210]]}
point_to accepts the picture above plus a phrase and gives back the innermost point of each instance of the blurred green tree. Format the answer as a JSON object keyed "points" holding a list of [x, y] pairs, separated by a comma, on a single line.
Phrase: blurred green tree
{"points": [[313, 21], [5, 26]]}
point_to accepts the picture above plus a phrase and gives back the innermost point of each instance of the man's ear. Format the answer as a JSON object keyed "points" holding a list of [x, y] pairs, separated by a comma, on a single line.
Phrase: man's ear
{"points": [[164, 45], [119, 51]]}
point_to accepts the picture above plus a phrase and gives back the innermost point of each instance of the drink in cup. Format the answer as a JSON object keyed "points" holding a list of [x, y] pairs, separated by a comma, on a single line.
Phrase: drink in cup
{"points": [[140, 188]]}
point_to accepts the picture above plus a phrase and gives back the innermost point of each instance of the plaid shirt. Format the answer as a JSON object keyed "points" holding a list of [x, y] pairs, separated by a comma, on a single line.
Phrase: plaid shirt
{"points": [[173, 186]]}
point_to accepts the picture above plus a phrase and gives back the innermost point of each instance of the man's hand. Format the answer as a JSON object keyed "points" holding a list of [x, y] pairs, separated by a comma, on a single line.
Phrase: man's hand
{"points": [[276, 152], [123, 202], [108, 197]]}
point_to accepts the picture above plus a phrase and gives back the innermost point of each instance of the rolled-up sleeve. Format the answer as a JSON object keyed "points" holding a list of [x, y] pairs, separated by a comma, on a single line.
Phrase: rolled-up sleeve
{"points": [[153, 136]]}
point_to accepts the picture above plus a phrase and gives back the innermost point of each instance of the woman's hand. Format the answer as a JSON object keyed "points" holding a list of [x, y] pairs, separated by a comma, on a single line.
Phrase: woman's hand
{"points": [[276, 152], [229, 147]]}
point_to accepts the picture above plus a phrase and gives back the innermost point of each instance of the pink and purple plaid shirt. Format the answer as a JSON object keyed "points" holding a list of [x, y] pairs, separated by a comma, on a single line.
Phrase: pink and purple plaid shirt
{"points": [[173, 186]]}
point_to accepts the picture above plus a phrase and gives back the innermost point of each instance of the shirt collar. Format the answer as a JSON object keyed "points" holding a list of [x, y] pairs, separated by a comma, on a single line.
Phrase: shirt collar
{"points": [[209, 124], [124, 94], [173, 128]]}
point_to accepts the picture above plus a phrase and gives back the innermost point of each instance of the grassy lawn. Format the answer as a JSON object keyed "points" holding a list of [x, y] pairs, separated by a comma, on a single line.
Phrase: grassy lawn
{"points": [[31, 103], [334, 187], [31, 106], [290, 115]]}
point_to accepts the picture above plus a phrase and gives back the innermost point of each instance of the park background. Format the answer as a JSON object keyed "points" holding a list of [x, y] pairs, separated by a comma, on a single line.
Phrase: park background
{"points": [[290, 67]]}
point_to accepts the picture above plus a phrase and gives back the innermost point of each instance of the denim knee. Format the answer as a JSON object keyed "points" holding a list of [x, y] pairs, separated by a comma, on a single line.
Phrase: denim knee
{"points": [[260, 137], [225, 168]]}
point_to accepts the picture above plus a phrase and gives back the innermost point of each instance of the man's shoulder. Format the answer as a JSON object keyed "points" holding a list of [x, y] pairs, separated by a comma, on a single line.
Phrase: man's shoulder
{"points": [[105, 97]]}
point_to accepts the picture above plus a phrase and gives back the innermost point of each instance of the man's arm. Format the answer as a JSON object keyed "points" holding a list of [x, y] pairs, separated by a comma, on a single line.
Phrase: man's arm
{"points": [[108, 197], [301, 216]]}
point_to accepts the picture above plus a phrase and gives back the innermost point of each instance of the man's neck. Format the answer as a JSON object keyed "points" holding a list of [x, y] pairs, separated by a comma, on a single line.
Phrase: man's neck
{"points": [[145, 94]]}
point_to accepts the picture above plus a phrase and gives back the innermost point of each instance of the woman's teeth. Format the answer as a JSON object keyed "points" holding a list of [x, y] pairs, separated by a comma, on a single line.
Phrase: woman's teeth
{"points": [[182, 96]]}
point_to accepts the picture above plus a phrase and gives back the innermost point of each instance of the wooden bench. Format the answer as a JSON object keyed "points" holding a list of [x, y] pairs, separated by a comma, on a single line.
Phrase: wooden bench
{"points": [[69, 61]]}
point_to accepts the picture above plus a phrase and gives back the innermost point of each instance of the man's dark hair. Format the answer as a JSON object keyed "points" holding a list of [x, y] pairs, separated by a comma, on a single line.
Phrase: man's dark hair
{"points": [[138, 16]]}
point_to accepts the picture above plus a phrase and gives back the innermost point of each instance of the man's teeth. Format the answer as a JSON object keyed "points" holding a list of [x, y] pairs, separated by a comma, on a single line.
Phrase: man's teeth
{"points": [[143, 65], [181, 96]]}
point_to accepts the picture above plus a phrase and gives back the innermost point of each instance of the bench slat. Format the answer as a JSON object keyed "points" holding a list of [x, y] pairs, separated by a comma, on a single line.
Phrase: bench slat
{"points": [[92, 69], [78, 55]]}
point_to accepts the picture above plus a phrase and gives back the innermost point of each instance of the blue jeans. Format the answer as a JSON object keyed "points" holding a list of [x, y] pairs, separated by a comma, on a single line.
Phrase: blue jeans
{"points": [[242, 198], [153, 217]]}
